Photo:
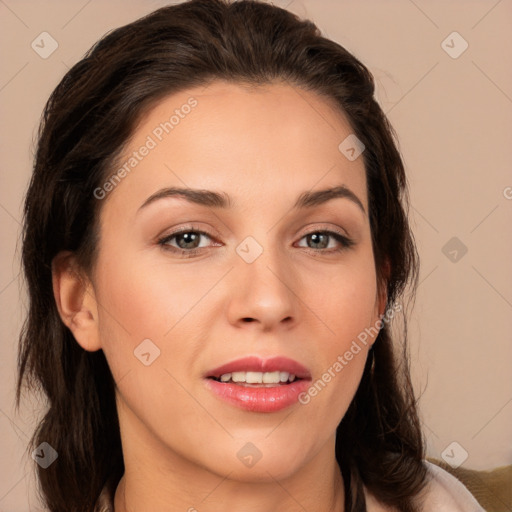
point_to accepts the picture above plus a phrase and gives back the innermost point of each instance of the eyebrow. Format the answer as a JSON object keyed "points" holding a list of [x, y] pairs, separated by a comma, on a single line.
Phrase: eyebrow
{"points": [[214, 199]]}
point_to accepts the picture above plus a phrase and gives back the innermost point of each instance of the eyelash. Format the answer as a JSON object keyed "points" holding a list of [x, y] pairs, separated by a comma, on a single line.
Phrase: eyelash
{"points": [[345, 242]]}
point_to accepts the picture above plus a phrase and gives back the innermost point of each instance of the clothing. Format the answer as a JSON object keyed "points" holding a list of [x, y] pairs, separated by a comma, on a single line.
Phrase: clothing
{"points": [[444, 493], [448, 494]]}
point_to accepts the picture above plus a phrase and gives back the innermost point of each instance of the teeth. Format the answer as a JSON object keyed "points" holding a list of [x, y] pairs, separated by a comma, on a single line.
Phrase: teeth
{"points": [[238, 376], [271, 377], [258, 377]]}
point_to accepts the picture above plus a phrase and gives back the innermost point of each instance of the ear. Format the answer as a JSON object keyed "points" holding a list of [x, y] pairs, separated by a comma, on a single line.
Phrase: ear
{"points": [[76, 301]]}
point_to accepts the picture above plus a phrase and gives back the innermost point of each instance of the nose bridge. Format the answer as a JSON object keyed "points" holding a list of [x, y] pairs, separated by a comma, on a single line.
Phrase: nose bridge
{"points": [[262, 281]]}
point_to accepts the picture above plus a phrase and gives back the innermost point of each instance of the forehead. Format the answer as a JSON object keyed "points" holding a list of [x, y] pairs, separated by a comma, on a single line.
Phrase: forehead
{"points": [[261, 143]]}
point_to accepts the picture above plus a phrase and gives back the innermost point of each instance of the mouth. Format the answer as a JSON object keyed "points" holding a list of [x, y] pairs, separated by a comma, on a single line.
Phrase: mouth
{"points": [[258, 379], [259, 385], [254, 370]]}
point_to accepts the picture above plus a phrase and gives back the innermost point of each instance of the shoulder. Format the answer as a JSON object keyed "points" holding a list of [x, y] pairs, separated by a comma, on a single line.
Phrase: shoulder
{"points": [[443, 493]]}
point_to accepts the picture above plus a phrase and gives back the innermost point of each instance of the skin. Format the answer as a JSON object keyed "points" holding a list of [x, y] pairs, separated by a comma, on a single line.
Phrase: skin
{"points": [[263, 146]]}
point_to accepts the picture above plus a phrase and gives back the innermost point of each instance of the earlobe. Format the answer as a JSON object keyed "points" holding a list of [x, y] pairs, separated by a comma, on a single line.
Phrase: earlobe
{"points": [[76, 302]]}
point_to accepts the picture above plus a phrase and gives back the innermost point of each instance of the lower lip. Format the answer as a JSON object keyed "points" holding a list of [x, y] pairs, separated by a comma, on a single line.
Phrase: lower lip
{"points": [[259, 399]]}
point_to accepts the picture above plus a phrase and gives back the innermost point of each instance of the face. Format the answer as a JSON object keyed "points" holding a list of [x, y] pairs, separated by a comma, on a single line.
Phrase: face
{"points": [[254, 272]]}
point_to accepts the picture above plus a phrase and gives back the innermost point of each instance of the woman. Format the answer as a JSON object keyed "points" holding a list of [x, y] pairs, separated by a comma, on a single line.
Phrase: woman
{"points": [[215, 244]]}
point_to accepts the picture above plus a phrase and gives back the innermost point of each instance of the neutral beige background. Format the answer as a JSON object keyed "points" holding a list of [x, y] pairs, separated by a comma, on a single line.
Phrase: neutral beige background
{"points": [[454, 120]]}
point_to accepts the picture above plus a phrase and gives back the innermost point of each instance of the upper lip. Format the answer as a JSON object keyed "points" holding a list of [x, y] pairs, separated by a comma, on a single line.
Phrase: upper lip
{"points": [[257, 364]]}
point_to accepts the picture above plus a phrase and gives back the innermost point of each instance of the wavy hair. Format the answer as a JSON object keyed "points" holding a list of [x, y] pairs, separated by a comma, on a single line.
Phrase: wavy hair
{"points": [[88, 119]]}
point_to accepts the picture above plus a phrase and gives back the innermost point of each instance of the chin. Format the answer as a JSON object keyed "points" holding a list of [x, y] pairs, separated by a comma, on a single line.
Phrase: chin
{"points": [[262, 473], [250, 465]]}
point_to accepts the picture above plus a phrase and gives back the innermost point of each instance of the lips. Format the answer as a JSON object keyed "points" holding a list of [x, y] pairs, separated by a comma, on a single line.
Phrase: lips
{"points": [[259, 396], [255, 364]]}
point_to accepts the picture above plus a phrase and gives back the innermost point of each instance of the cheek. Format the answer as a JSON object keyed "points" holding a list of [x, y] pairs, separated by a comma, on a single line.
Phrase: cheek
{"points": [[343, 298], [158, 309], [145, 301], [344, 302], [135, 310], [146, 314]]}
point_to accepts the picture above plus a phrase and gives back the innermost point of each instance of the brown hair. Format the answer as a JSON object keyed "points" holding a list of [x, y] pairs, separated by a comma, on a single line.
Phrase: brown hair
{"points": [[88, 120]]}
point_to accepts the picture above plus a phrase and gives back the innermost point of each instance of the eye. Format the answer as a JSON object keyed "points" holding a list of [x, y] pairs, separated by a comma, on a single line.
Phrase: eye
{"points": [[187, 242], [321, 241]]}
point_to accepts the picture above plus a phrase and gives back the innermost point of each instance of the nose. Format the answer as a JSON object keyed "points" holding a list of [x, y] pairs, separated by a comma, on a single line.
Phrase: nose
{"points": [[261, 292]]}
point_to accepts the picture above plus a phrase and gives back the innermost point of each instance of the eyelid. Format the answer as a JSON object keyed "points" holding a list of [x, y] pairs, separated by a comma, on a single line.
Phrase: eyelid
{"points": [[185, 229], [327, 227]]}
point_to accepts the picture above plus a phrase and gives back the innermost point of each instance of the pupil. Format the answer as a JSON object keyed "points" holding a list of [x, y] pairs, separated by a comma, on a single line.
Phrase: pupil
{"points": [[315, 239], [189, 238]]}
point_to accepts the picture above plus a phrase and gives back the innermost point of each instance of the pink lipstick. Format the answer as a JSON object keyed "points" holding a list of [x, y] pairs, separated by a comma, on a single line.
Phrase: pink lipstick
{"points": [[259, 385]]}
